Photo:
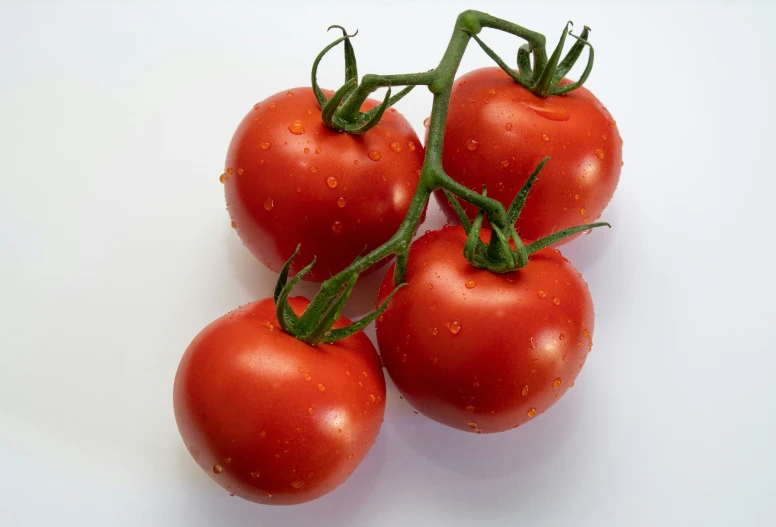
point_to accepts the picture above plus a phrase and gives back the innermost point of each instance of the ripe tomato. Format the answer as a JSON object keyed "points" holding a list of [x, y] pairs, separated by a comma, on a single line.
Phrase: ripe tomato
{"points": [[270, 418], [497, 132], [479, 351], [290, 179]]}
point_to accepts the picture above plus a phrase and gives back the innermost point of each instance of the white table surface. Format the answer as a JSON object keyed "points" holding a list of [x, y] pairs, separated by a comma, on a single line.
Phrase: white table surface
{"points": [[115, 250]]}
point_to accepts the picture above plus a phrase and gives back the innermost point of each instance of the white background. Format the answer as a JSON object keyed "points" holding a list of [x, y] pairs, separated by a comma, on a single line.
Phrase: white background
{"points": [[115, 250]]}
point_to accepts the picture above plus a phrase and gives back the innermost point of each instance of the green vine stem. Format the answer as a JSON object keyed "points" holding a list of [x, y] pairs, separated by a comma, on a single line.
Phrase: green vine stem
{"points": [[314, 325]]}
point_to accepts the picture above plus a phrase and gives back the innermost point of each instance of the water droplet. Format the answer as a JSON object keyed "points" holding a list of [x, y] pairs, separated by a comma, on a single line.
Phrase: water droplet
{"points": [[599, 153], [556, 382], [455, 327], [411, 146], [556, 301], [472, 144], [470, 409], [269, 325], [297, 127], [532, 412], [256, 106], [576, 196], [228, 460], [430, 286], [310, 411], [435, 331], [525, 390], [350, 456], [336, 227], [505, 163], [266, 146], [404, 358], [222, 178], [476, 384], [587, 334], [240, 171], [263, 434], [545, 138], [269, 495], [548, 110], [470, 284], [331, 181], [427, 122], [269, 204], [229, 170], [586, 220], [541, 293], [509, 127], [341, 202], [306, 150], [561, 336], [218, 468], [255, 474], [472, 425], [297, 484], [374, 155], [313, 170], [234, 225], [321, 387], [396, 146], [622, 163], [611, 125], [307, 376], [272, 105], [299, 189]]}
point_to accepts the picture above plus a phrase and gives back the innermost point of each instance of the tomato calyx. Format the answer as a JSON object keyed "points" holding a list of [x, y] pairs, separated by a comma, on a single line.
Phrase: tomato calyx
{"points": [[342, 112], [497, 255], [315, 324], [544, 77]]}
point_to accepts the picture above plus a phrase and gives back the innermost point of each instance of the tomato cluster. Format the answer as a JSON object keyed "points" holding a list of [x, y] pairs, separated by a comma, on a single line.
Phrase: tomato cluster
{"points": [[280, 400]]}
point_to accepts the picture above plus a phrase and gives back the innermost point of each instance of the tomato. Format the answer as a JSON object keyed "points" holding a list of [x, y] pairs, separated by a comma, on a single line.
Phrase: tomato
{"points": [[497, 132], [479, 351], [290, 179], [270, 418]]}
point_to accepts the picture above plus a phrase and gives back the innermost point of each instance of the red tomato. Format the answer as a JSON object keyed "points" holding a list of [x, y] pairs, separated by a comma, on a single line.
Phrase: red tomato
{"points": [[497, 132], [479, 351], [290, 180], [270, 418]]}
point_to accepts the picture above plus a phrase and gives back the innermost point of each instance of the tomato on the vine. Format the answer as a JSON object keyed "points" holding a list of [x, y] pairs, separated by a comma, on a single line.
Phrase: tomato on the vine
{"points": [[498, 131], [270, 418], [480, 351], [290, 180]]}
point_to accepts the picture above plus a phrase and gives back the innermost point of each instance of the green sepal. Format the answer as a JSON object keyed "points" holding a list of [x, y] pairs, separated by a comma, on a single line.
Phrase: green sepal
{"points": [[332, 314], [458, 209], [565, 233], [517, 204], [341, 333]]}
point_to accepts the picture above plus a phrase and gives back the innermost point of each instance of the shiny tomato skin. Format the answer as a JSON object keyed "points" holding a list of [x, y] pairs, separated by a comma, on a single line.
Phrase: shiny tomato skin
{"points": [[479, 351], [270, 418], [289, 179], [497, 132]]}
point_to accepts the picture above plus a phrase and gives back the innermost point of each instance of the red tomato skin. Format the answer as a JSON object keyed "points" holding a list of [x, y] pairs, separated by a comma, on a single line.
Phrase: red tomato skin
{"points": [[270, 418], [463, 355], [496, 135], [290, 179]]}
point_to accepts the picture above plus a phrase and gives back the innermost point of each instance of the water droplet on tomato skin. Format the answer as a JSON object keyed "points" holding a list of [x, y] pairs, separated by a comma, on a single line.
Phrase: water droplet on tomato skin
{"points": [[350, 456], [313, 170], [587, 333], [599, 153], [505, 163], [272, 105], [470, 409], [269, 325], [525, 390], [234, 225], [509, 127], [427, 122], [240, 171], [321, 387], [269, 204], [306, 150], [541, 293], [341, 202], [318, 150], [255, 474], [532, 412], [545, 138], [218, 468], [307, 376], [310, 411], [374, 155], [470, 284], [561, 336], [431, 286], [266, 146], [472, 425], [296, 128], [396, 146], [557, 382], [455, 327], [336, 227], [472, 144], [332, 182], [411, 146], [434, 331], [556, 301], [222, 178]]}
